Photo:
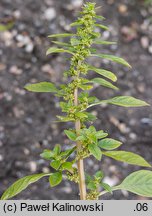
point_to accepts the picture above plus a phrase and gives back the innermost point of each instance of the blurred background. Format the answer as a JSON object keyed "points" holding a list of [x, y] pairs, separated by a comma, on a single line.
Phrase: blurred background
{"points": [[26, 119]]}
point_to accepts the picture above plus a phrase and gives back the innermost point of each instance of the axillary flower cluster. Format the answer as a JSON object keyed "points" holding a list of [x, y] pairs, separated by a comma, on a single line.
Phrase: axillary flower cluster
{"points": [[75, 100]]}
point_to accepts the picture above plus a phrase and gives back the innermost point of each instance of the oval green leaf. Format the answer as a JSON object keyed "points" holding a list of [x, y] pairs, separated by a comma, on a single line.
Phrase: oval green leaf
{"points": [[105, 73], [113, 59], [109, 144], [60, 35], [41, 87], [127, 157], [21, 185], [70, 134], [55, 178], [126, 101], [57, 50], [95, 151], [139, 182], [104, 83]]}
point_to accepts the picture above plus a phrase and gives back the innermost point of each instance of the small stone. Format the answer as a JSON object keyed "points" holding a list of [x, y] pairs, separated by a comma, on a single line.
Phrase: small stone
{"points": [[122, 8], [141, 88], [47, 69], [144, 42], [111, 181], [66, 190], [32, 166], [17, 112], [125, 193], [26, 151], [28, 120], [146, 121], [76, 3], [15, 70], [17, 14], [50, 13], [2, 67], [133, 136], [7, 96], [150, 49], [1, 144], [1, 157], [29, 47], [45, 170]]}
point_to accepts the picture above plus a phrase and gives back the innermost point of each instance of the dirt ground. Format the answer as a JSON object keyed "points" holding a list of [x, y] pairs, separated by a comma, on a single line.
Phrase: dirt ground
{"points": [[27, 120]]}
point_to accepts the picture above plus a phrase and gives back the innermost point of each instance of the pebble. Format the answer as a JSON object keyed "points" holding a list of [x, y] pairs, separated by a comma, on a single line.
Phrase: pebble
{"points": [[25, 41], [146, 121], [133, 136], [17, 112], [47, 69], [66, 190], [7, 96], [32, 166], [15, 70], [28, 120], [144, 42], [76, 3], [1, 157], [29, 48], [26, 151], [50, 14], [111, 181], [19, 91], [150, 49], [1, 144], [45, 170], [2, 67], [122, 8]]}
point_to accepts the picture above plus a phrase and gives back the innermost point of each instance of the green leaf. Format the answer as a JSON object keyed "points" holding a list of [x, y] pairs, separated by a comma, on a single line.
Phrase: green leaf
{"points": [[139, 182], [41, 87], [21, 185], [67, 166], [64, 119], [61, 43], [127, 157], [100, 17], [99, 175], [109, 144], [55, 178], [106, 187], [101, 134], [104, 83], [76, 23], [126, 101], [60, 35], [47, 154], [55, 164], [104, 42], [68, 152], [57, 149], [6, 26], [91, 186], [70, 134], [113, 58], [74, 42], [102, 26], [95, 151], [57, 50], [105, 73]]}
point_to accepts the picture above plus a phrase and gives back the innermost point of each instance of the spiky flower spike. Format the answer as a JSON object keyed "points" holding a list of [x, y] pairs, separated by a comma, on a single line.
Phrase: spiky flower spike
{"points": [[75, 101]]}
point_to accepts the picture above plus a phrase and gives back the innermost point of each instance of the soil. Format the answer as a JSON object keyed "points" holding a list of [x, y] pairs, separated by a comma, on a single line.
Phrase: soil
{"points": [[27, 119]]}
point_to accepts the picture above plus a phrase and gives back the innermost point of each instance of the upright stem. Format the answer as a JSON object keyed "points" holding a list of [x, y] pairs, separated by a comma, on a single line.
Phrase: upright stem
{"points": [[80, 165]]}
